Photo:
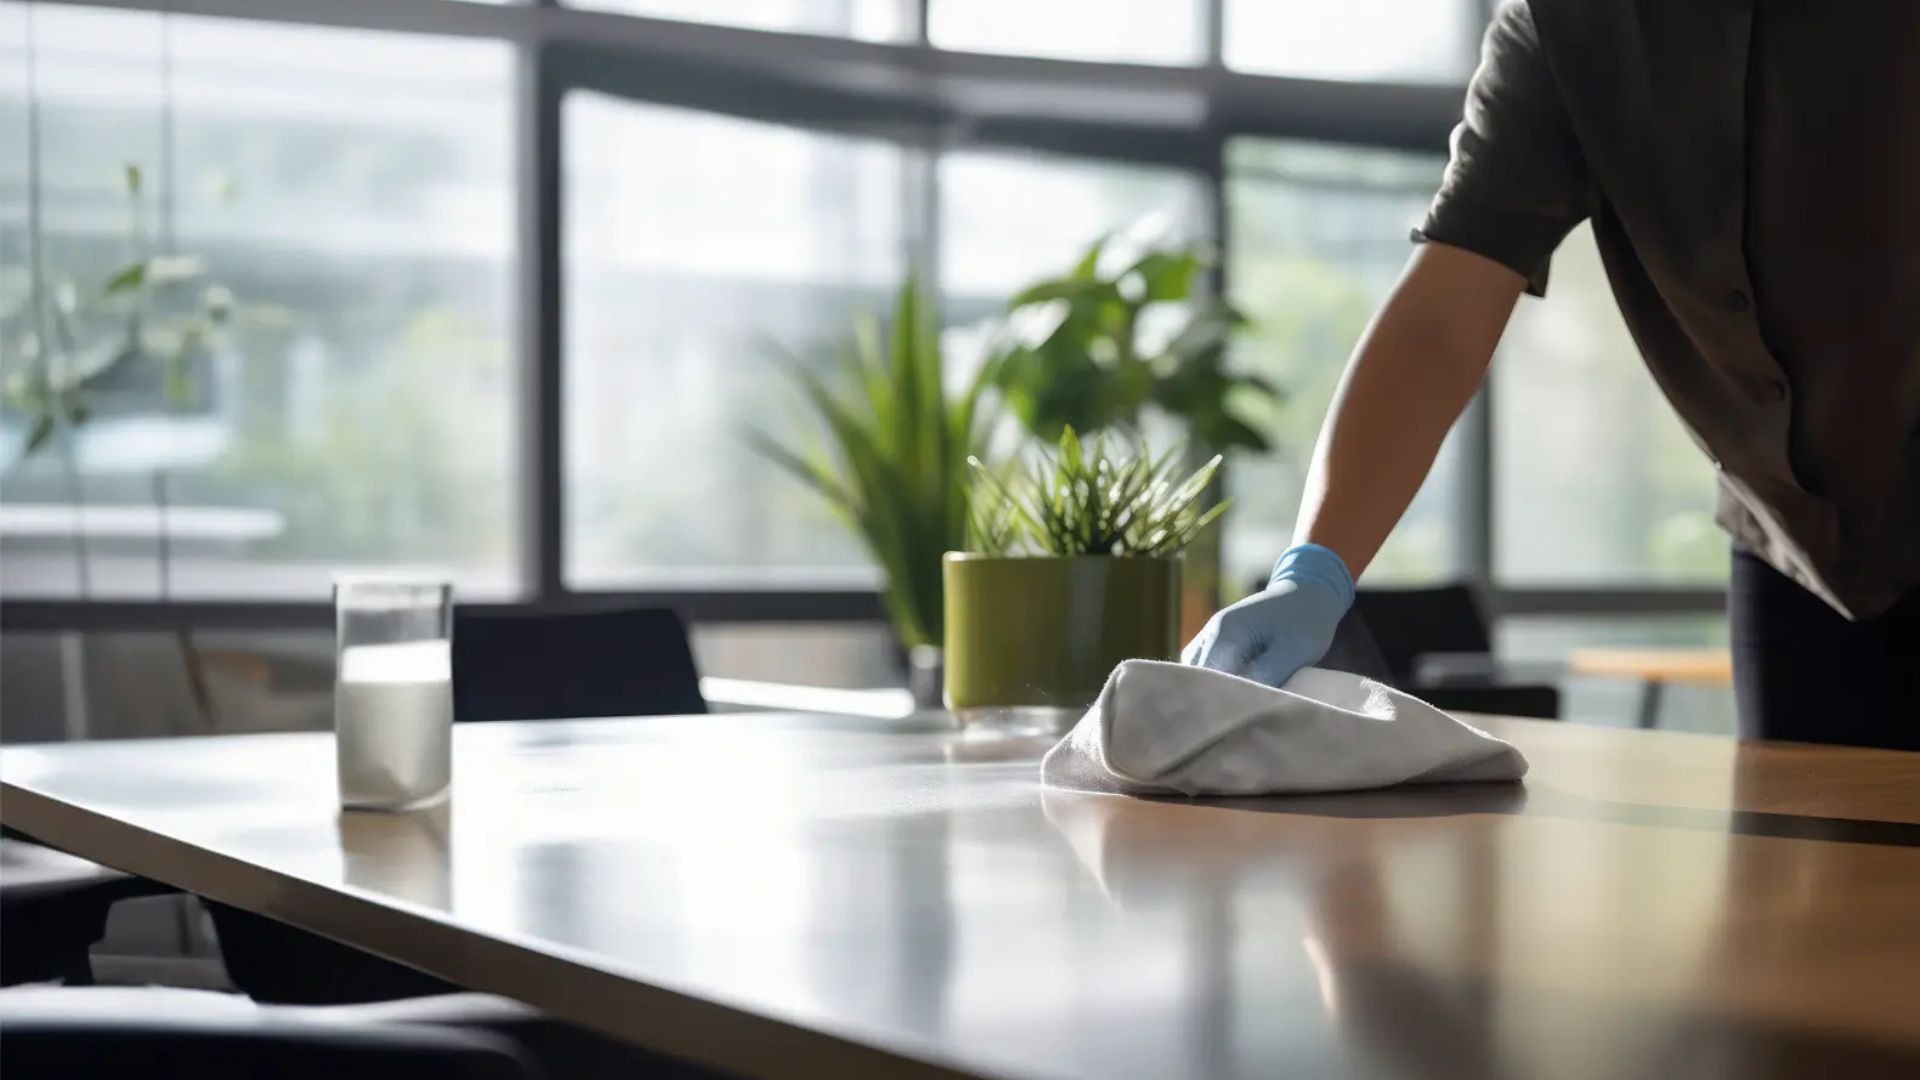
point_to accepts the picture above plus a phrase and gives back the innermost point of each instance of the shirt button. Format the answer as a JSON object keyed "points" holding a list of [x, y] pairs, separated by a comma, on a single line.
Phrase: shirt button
{"points": [[1738, 301], [1776, 390]]}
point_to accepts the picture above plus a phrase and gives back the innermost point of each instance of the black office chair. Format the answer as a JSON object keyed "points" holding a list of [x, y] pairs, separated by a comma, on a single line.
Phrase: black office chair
{"points": [[1435, 643], [53, 908], [533, 664], [59, 1033], [1409, 624], [507, 665], [1540, 701], [202, 1035]]}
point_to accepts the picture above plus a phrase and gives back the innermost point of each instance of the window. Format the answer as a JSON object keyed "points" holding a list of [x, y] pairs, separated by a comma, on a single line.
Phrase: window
{"points": [[1137, 31], [696, 244], [1536, 646], [351, 188], [868, 20], [1007, 220], [1595, 479], [357, 191], [1317, 234], [1373, 40]]}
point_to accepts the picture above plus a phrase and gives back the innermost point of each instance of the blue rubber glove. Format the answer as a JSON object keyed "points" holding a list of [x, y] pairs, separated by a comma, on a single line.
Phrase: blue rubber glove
{"points": [[1274, 633]]}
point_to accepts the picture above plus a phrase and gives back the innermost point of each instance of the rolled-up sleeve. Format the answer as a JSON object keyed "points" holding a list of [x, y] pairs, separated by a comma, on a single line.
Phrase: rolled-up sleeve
{"points": [[1516, 183]]}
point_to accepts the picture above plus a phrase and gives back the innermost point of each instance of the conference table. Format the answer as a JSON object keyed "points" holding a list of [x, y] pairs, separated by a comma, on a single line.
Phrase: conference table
{"points": [[781, 895]]}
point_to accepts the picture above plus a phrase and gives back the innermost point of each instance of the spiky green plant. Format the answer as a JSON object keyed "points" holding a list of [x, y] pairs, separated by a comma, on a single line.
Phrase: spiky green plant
{"points": [[1085, 499], [897, 469]]}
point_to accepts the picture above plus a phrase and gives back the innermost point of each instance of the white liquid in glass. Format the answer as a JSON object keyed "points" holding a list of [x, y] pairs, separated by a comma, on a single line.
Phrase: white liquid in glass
{"points": [[393, 723]]}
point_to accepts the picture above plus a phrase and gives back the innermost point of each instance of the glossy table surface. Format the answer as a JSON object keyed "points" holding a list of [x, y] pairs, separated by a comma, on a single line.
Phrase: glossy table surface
{"points": [[791, 896]]}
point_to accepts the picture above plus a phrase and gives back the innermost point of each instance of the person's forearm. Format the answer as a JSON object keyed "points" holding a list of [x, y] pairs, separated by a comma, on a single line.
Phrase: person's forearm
{"points": [[1415, 369]]}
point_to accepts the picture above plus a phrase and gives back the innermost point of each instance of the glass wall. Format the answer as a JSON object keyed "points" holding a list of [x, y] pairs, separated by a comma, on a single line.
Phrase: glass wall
{"points": [[1596, 482], [352, 191], [870, 20], [1007, 219], [1133, 31], [702, 253], [1355, 40], [1540, 643], [1317, 234], [358, 194]]}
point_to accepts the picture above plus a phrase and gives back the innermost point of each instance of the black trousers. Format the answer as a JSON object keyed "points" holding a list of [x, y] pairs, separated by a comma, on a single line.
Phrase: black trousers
{"points": [[1802, 671]]}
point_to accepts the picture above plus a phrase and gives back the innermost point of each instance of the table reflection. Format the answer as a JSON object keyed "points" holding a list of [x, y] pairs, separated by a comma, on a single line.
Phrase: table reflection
{"points": [[408, 856], [1292, 925]]}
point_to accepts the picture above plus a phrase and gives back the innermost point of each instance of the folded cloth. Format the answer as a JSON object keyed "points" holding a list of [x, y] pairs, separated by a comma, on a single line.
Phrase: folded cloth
{"points": [[1160, 729]]}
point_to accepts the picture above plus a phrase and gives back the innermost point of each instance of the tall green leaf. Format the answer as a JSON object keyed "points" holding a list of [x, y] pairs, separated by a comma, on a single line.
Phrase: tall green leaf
{"points": [[896, 450], [126, 279], [1084, 498]]}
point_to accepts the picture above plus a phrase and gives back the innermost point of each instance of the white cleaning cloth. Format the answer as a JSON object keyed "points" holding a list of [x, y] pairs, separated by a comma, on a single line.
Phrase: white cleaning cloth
{"points": [[1163, 729]]}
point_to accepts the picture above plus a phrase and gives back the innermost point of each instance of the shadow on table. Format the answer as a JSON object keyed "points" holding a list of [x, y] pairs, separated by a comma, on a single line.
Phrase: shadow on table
{"points": [[1419, 801]]}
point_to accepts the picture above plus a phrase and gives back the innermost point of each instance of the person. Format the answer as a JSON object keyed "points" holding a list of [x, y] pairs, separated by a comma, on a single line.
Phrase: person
{"points": [[1751, 169]]}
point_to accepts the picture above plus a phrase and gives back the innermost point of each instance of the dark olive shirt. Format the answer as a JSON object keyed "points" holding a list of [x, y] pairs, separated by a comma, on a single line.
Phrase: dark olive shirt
{"points": [[1752, 171]]}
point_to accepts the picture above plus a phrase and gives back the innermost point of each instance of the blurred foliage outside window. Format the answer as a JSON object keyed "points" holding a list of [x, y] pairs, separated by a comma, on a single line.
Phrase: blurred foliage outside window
{"points": [[358, 181]]}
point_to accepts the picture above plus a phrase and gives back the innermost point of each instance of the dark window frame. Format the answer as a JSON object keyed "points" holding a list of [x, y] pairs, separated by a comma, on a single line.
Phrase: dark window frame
{"points": [[924, 97]]}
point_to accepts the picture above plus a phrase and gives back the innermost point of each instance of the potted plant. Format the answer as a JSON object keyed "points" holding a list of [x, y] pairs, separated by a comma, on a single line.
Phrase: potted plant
{"points": [[895, 463], [1101, 347], [1116, 340], [1073, 565]]}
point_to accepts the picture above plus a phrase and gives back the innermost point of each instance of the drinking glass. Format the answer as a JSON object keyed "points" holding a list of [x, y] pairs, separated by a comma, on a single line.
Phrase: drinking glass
{"points": [[393, 692]]}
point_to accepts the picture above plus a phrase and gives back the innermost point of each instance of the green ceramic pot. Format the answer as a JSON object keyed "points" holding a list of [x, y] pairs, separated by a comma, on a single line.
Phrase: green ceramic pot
{"points": [[1042, 631]]}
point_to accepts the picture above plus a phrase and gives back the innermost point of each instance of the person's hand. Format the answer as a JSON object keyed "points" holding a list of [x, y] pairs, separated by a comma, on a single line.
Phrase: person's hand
{"points": [[1289, 625]]}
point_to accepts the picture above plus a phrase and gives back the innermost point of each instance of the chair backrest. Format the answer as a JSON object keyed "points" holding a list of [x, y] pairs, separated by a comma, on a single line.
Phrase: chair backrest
{"points": [[537, 664], [59, 1032], [1406, 624], [1538, 701]]}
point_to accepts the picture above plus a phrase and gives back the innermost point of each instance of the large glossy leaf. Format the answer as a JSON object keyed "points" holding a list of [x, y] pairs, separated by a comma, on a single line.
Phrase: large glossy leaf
{"points": [[1077, 292], [1226, 431], [1259, 385], [126, 279], [1089, 264], [1165, 275], [1094, 371], [1055, 386]]}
